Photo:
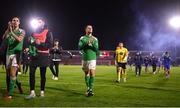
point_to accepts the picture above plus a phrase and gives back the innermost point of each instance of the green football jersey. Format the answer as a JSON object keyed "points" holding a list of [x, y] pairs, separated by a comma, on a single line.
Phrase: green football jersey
{"points": [[89, 51], [14, 46]]}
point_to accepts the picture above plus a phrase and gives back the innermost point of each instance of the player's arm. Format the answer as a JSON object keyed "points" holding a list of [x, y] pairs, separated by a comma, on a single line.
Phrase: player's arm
{"points": [[95, 45], [116, 58], [142, 60], [125, 55], [5, 34], [81, 44], [20, 37]]}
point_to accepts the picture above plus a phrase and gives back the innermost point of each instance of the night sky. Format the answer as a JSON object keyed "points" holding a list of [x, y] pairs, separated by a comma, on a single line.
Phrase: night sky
{"points": [[113, 20]]}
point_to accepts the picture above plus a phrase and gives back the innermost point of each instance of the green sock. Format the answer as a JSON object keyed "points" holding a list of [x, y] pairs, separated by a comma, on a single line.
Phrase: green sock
{"points": [[11, 87], [87, 78], [91, 82]]}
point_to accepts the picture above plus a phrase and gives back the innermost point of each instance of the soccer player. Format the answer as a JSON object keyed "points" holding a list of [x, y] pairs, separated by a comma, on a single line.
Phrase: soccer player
{"points": [[40, 44], [154, 62], [146, 63], [89, 46], [138, 60], [121, 61], [167, 64], [159, 63], [14, 37], [55, 53]]}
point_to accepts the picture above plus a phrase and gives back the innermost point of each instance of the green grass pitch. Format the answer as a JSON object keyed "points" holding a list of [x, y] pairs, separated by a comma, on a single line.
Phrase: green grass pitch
{"points": [[147, 90]]}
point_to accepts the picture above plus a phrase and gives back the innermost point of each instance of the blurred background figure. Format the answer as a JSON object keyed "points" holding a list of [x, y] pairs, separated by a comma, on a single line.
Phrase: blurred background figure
{"points": [[154, 61], [130, 63], [55, 54], [167, 64], [25, 60], [146, 63], [138, 60]]}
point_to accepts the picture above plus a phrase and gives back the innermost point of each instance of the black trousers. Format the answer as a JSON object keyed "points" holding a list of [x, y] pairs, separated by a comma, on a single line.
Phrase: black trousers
{"points": [[56, 71], [138, 69], [25, 68], [154, 67], [32, 77]]}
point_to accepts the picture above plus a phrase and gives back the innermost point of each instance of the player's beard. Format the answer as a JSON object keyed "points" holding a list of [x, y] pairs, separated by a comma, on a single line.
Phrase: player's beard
{"points": [[15, 26], [89, 33]]}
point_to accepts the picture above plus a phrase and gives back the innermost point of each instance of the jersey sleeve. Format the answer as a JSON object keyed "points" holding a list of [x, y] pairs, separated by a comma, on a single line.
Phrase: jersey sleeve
{"points": [[81, 44], [126, 51], [22, 32]]}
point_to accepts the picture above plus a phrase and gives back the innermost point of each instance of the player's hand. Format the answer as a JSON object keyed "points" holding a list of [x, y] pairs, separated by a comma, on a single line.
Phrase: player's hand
{"points": [[115, 63], [10, 26], [125, 58], [55, 47], [26, 49], [90, 41], [37, 41]]}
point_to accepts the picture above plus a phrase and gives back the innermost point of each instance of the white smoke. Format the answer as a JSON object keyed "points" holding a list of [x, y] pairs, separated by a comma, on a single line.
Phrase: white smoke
{"points": [[152, 33]]}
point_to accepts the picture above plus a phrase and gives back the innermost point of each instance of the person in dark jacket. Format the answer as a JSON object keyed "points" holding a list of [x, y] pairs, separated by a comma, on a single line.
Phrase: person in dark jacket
{"points": [[130, 63], [146, 63], [154, 61], [138, 60], [55, 53], [26, 60], [39, 44]]}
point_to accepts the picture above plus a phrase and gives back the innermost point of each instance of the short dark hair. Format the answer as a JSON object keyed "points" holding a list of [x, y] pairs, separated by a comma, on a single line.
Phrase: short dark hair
{"points": [[121, 43], [88, 25], [40, 18], [15, 17], [56, 40]]}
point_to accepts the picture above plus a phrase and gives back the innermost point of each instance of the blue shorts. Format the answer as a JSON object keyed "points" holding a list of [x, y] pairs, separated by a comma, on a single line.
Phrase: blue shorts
{"points": [[167, 66], [159, 65], [146, 65]]}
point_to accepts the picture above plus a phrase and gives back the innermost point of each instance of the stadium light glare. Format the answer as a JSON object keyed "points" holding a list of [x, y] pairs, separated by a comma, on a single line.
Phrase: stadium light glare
{"points": [[175, 22], [34, 23]]}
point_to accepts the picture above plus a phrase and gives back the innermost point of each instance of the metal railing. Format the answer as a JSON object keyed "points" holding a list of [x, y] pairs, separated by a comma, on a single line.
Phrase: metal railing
{"points": [[104, 57]]}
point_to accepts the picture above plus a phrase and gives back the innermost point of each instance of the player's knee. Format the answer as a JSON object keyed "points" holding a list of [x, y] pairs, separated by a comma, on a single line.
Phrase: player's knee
{"points": [[87, 73], [92, 72]]}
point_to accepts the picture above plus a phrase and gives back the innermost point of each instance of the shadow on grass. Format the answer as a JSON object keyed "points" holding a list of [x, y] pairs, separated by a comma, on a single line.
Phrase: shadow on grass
{"points": [[68, 91], [3, 72], [65, 90], [150, 88], [161, 82], [3, 92]]}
